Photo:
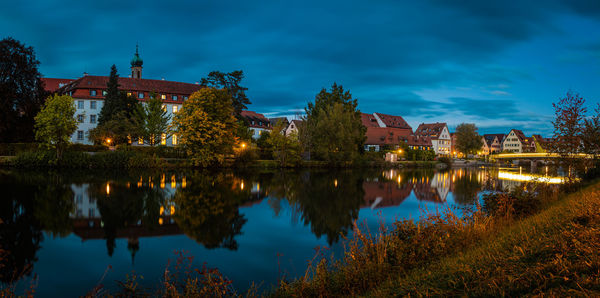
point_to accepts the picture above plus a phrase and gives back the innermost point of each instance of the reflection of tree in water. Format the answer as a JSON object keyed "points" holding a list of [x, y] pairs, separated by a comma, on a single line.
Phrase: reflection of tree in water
{"points": [[466, 188], [208, 209], [53, 205], [329, 202], [20, 231]]}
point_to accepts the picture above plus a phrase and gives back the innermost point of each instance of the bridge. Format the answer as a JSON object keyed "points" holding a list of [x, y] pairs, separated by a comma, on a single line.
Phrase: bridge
{"points": [[537, 155]]}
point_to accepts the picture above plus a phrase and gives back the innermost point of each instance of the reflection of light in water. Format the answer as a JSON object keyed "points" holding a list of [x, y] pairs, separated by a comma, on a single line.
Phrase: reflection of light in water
{"points": [[160, 221], [162, 181], [183, 182], [172, 210], [107, 188], [173, 182], [140, 182], [242, 185], [335, 182], [162, 210], [529, 177]]}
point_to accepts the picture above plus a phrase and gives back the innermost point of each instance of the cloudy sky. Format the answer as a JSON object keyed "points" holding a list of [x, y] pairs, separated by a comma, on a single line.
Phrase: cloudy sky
{"points": [[497, 64]]}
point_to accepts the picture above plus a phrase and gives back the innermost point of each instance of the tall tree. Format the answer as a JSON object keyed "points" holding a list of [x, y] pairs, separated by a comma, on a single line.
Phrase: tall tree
{"points": [[153, 119], [116, 101], [468, 141], [21, 91], [231, 82], [286, 149], [206, 126], [334, 128], [55, 123], [568, 124]]}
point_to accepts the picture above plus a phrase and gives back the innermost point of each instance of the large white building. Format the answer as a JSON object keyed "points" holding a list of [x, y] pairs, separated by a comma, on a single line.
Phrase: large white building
{"points": [[439, 135], [89, 91]]}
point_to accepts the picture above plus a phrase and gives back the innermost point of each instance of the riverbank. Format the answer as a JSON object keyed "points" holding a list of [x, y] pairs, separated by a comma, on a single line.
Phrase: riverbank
{"points": [[554, 252]]}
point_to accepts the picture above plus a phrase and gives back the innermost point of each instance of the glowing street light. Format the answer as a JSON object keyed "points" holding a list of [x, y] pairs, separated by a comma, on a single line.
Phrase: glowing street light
{"points": [[243, 145], [108, 140]]}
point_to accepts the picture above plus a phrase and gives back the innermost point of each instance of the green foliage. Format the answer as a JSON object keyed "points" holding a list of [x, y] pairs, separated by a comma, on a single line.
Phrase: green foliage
{"points": [[11, 149], [591, 134], [119, 129], [243, 133], [21, 91], [418, 154], [333, 127], [153, 120], [55, 123], [286, 149], [468, 141], [231, 82], [206, 126], [76, 159]]}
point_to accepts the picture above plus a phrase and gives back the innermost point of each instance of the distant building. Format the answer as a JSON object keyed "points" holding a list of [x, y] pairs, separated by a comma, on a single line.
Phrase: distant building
{"points": [[494, 142], [517, 142], [257, 123], [275, 120], [439, 135], [89, 93], [385, 131], [293, 127]]}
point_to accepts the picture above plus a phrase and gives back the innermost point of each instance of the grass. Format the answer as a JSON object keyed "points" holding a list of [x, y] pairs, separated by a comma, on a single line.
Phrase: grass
{"points": [[554, 252]]}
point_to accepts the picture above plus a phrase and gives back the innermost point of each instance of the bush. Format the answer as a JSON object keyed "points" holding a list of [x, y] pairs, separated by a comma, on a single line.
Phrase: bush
{"points": [[445, 160], [78, 159], [160, 151], [86, 148], [518, 203], [12, 149]]}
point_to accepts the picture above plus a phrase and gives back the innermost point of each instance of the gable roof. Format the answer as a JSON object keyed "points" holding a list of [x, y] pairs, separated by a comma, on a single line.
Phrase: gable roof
{"points": [[413, 140], [386, 135], [274, 120], [393, 121], [256, 120], [53, 84], [489, 138], [368, 120], [432, 130]]}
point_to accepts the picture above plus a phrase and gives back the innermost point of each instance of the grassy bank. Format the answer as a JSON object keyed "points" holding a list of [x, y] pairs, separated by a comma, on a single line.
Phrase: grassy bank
{"points": [[555, 251]]}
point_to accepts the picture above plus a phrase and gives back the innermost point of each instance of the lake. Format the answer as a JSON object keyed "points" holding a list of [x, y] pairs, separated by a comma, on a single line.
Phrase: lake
{"points": [[72, 228]]}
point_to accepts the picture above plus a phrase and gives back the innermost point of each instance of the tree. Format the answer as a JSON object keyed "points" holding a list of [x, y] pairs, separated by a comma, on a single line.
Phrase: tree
{"points": [[285, 148], [230, 82], [591, 134], [468, 141], [55, 123], [206, 126], [116, 101], [568, 125], [118, 129], [153, 120], [21, 91], [334, 130]]}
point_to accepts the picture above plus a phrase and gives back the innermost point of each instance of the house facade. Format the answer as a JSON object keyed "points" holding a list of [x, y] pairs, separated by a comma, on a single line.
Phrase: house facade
{"points": [[494, 142], [293, 127], [257, 123], [89, 92], [385, 131], [516, 142], [439, 135]]}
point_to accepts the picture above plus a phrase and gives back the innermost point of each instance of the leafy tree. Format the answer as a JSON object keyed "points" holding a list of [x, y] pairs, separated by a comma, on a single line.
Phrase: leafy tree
{"points": [[286, 149], [153, 120], [21, 91], [118, 129], [206, 126], [334, 130], [243, 133], [231, 82], [568, 125], [591, 134], [55, 123], [468, 141]]}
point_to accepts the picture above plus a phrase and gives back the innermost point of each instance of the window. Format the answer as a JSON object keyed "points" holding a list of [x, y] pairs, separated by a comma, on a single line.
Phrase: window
{"points": [[163, 139], [164, 107], [162, 96], [91, 212], [174, 97], [92, 118], [141, 95], [80, 118], [93, 104], [80, 104], [80, 135], [175, 108], [185, 98], [92, 92], [128, 93], [70, 93], [140, 141], [104, 92], [174, 139]]}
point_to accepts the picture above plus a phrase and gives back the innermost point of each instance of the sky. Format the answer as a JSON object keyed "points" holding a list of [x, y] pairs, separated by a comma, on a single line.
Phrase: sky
{"points": [[498, 64]]}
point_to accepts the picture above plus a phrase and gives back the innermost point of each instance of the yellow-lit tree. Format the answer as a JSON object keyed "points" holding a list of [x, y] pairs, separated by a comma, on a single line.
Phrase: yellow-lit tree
{"points": [[55, 123], [206, 126]]}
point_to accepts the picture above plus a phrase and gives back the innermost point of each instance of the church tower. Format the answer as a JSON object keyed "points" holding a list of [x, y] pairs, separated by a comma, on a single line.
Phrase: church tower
{"points": [[136, 65]]}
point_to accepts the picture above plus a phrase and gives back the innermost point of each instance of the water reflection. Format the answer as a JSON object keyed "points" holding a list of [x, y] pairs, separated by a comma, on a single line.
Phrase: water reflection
{"points": [[211, 207]]}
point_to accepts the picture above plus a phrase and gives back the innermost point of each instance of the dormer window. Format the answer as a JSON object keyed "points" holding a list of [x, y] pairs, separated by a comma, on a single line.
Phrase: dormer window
{"points": [[174, 97], [92, 92]]}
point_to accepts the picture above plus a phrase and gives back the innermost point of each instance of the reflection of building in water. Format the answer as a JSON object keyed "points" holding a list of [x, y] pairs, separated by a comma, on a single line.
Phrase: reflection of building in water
{"points": [[441, 183], [424, 192], [385, 194], [85, 207]]}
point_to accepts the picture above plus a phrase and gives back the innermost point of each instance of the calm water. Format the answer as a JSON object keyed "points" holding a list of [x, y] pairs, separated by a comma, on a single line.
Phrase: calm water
{"points": [[69, 227]]}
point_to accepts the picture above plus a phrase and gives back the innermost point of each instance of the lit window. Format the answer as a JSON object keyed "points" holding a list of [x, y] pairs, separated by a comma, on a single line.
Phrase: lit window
{"points": [[174, 97], [175, 109], [92, 118], [140, 141], [80, 104], [93, 104], [80, 135], [163, 139], [128, 93], [141, 95], [164, 107], [80, 118], [162, 96], [174, 139], [259, 132], [104, 92], [92, 92]]}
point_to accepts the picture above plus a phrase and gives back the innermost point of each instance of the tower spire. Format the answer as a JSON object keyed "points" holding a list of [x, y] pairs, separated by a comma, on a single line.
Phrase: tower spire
{"points": [[136, 64]]}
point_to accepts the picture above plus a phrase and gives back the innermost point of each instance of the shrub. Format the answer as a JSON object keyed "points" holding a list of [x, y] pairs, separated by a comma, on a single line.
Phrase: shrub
{"points": [[12, 149], [514, 204], [445, 160]]}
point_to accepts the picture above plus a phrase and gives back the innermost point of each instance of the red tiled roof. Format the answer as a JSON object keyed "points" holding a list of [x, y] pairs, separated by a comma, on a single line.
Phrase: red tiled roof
{"points": [[418, 141], [393, 121], [52, 84], [386, 135], [368, 120], [260, 121], [432, 130]]}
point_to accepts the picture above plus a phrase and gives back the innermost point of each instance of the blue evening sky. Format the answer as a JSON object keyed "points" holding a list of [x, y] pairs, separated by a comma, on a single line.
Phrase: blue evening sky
{"points": [[499, 64]]}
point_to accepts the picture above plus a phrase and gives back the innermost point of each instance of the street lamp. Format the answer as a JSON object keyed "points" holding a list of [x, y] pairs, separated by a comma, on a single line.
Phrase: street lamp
{"points": [[108, 140]]}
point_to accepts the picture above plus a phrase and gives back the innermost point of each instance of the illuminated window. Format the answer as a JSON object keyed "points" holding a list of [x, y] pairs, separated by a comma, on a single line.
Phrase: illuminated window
{"points": [[164, 107], [104, 92], [141, 95], [92, 92], [128, 93], [93, 104], [174, 139], [174, 97], [163, 139], [140, 141], [175, 109], [162, 96], [80, 104]]}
